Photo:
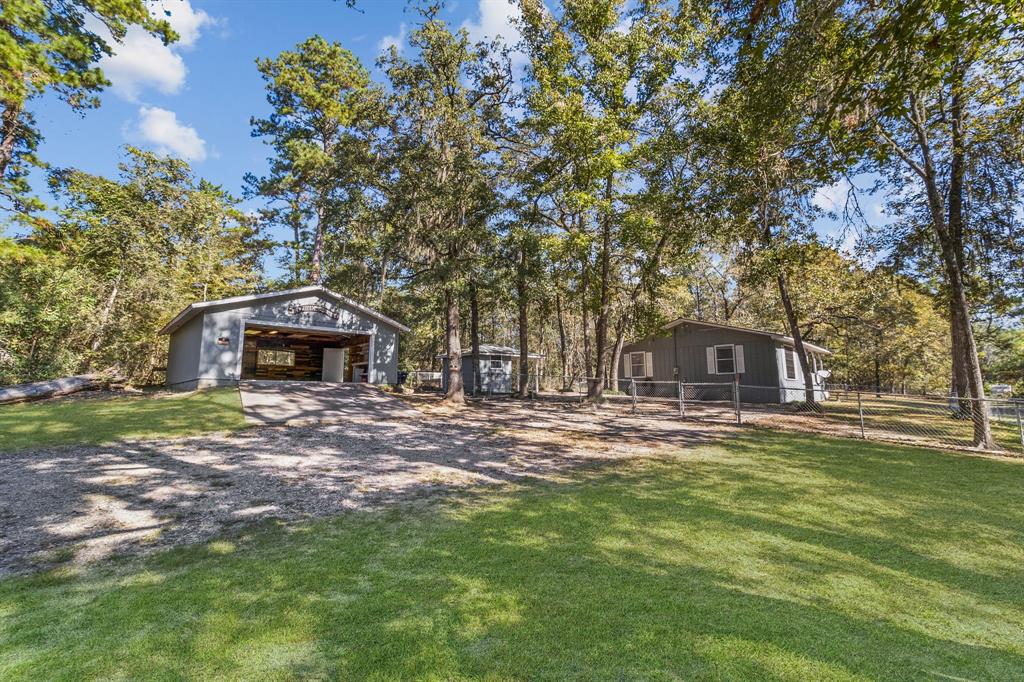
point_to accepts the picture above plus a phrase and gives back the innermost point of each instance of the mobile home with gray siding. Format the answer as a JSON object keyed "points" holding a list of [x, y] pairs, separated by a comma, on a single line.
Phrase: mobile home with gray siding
{"points": [[696, 352], [305, 334]]}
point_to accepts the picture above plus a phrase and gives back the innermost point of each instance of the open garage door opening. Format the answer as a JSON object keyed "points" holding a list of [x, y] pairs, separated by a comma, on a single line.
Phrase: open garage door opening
{"points": [[281, 354]]}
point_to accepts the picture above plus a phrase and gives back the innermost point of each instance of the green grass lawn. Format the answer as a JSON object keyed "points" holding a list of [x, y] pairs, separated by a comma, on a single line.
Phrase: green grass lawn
{"points": [[100, 420], [773, 556]]}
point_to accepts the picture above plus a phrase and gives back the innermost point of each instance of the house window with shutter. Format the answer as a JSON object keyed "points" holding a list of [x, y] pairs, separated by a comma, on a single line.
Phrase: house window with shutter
{"points": [[725, 360], [637, 365], [790, 363]]}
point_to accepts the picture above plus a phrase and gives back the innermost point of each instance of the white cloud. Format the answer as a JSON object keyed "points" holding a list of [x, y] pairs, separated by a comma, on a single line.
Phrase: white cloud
{"points": [[186, 21], [392, 41], [141, 61], [849, 243], [162, 129], [497, 21], [832, 197]]}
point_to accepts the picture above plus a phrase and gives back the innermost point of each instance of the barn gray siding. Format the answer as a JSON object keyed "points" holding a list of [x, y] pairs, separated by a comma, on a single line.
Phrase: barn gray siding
{"points": [[183, 355], [385, 354], [218, 365]]}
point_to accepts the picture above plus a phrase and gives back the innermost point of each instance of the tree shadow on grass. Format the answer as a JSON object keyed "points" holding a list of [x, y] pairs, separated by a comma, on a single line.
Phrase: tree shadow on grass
{"points": [[74, 422], [909, 509], [137, 495], [647, 570]]}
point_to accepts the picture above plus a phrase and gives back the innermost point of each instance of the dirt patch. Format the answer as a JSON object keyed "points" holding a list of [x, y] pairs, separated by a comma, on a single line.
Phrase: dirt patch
{"points": [[79, 504]]}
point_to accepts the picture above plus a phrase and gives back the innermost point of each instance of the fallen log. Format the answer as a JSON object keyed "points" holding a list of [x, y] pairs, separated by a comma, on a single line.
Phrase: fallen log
{"points": [[41, 390]]}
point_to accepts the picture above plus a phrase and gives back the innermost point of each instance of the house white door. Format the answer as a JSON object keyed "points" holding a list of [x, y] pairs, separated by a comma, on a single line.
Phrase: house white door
{"points": [[335, 360]]}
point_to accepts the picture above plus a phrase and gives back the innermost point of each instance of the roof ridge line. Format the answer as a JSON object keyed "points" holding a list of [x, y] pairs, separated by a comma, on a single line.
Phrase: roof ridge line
{"points": [[192, 308]]}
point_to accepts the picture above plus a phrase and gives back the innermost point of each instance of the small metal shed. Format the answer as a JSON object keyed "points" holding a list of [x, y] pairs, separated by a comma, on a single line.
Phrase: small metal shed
{"points": [[492, 372]]}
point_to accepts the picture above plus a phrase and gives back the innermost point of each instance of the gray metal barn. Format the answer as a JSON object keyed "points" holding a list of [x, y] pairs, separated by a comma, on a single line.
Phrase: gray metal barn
{"points": [[697, 352], [305, 334]]}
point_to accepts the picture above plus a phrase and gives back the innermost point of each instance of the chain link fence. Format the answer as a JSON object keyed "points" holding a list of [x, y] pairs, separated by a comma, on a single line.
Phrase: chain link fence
{"points": [[424, 381], [490, 384], [923, 420], [929, 421]]}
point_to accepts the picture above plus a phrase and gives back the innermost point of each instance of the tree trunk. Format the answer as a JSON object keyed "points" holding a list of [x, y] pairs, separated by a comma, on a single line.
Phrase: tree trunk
{"points": [[455, 392], [523, 302], [960, 385], [878, 375], [562, 353], [101, 330], [601, 332], [948, 229], [317, 257], [953, 250], [51, 388], [969, 358], [696, 294], [108, 308], [296, 256], [620, 341], [474, 337], [798, 341], [383, 280], [588, 368], [10, 123]]}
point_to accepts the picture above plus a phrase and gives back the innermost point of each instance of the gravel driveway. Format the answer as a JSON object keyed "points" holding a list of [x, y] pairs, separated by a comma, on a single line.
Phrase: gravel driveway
{"points": [[83, 503]]}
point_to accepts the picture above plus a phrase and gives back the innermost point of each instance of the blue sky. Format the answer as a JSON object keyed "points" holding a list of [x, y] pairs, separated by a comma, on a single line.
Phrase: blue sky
{"points": [[194, 98]]}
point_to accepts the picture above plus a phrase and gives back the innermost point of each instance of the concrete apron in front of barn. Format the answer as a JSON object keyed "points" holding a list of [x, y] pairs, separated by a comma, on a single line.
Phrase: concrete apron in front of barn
{"points": [[305, 402]]}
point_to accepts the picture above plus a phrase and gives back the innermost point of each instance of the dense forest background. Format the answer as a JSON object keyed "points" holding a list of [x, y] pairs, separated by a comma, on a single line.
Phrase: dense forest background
{"points": [[636, 162]]}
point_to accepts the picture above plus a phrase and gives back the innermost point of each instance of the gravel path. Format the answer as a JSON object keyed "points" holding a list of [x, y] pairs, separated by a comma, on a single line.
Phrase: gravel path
{"points": [[80, 504]]}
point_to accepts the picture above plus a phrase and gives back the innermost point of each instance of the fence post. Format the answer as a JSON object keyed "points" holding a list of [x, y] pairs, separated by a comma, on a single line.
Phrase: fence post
{"points": [[736, 401], [682, 402], [632, 391], [1020, 427], [860, 411]]}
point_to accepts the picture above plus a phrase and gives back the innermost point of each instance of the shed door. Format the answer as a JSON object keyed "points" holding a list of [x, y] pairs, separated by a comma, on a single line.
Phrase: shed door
{"points": [[334, 364]]}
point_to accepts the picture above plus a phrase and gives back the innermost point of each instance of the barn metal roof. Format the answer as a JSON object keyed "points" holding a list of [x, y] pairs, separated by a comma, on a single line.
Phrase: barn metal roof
{"points": [[494, 349], [195, 308]]}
